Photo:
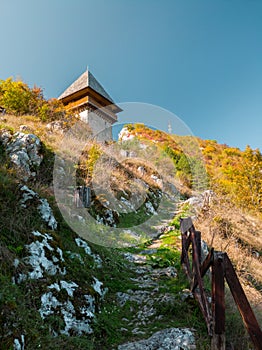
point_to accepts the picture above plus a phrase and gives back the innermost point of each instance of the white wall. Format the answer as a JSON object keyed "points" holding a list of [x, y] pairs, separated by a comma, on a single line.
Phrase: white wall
{"points": [[101, 128], [84, 116]]}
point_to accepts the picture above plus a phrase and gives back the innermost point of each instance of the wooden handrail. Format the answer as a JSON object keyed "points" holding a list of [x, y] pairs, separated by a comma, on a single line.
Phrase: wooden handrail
{"points": [[243, 305], [222, 269]]}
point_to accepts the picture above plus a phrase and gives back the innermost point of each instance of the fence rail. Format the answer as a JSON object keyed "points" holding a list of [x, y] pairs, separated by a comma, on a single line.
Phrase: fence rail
{"points": [[222, 269]]}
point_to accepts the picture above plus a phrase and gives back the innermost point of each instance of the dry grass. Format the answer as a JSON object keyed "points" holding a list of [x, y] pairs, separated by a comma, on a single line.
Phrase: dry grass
{"points": [[36, 126]]}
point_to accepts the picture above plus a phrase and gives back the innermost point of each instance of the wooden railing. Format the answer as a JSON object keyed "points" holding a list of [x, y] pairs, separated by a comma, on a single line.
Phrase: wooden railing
{"points": [[222, 269]]}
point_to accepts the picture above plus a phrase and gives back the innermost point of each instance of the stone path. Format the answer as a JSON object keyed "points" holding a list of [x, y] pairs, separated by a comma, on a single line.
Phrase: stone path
{"points": [[148, 302]]}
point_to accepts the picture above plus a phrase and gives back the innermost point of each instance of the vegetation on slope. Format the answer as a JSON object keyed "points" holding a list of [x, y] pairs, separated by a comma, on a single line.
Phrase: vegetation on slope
{"points": [[20, 302], [19, 99], [231, 172], [235, 174], [232, 222]]}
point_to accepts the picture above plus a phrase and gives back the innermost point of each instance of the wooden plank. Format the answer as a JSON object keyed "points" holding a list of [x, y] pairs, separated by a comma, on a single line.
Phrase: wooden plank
{"points": [[207, 262], [243, 305], [185, 224], [184, 252], [205, 266], [78, 103], [185, 259], [203, 298], [207, 318], [189, 235], [188, 240], [218, 293], [82, 197], [198, 245]]}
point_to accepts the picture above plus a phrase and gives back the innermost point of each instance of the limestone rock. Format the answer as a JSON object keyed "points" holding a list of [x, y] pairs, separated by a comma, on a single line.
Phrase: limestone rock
{"points": [[167, 339], [56, 126], [43, 207], [5, 137], [201, 201], [125, 135], [74, 305], [42, 259], [23, 151]]}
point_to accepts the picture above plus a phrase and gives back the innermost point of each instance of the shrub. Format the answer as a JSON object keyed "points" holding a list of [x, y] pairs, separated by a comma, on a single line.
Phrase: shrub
{"points": [[18, 99], [15, 96]]}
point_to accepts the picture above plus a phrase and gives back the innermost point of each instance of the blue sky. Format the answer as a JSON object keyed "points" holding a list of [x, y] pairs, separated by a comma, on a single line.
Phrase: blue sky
{"points": [[199, 59]]}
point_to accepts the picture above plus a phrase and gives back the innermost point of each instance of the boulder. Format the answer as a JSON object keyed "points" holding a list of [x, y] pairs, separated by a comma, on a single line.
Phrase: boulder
{"points": [[167, 339], [125, 135], [23, 151], [56, 126]]}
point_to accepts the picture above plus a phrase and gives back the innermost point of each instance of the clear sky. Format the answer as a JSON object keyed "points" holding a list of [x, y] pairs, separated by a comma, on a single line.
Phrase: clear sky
{"points": [[199, 59]]}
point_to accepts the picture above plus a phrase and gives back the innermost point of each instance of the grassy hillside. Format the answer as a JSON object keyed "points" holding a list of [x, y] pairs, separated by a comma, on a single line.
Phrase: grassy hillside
{"points": [[233, 175], [231, 222]]}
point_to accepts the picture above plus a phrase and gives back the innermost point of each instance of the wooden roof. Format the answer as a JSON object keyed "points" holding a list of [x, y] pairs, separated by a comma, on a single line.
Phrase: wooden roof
{"points": [[86, 80]]}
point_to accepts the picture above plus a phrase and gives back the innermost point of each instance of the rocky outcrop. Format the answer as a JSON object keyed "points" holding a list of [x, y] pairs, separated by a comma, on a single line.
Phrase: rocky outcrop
{"points": [[24, 152], [56, 126], [29, 196], [42, 259], [125, 135], [201, 201], [127, 204], [167, 339], [76, 305]]}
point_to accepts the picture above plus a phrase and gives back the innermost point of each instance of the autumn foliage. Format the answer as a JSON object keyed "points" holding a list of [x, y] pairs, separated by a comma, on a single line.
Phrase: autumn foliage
{"points": [[19, 99], [234, 174]]}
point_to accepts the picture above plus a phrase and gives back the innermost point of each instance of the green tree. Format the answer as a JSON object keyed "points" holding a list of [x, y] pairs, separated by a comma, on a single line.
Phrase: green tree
{"points": [[15, 96], [18, 99]]}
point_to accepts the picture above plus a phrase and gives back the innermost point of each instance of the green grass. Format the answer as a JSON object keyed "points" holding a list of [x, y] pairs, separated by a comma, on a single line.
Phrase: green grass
{"points": [[19, 304], [133, 218]]}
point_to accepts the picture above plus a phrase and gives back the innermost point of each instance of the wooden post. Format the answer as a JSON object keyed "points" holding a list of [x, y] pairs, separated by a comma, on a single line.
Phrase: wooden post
{"points": [[243, 305], [207, 262], [190, 235], [198, 245], [185, 225], [200, 295], [218, 341], [186, 240], [205, 266]]}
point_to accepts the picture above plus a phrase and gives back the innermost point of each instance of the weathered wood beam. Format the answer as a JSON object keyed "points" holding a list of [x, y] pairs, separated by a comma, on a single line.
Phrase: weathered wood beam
{"points": [[185, 224], [205, 266], [203, 298], [218, 302], [184, 257], [243, 305]]}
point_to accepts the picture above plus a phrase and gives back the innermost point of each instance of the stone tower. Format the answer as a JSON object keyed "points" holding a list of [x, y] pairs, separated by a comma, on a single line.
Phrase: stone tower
{"points": [[87, 98]]}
